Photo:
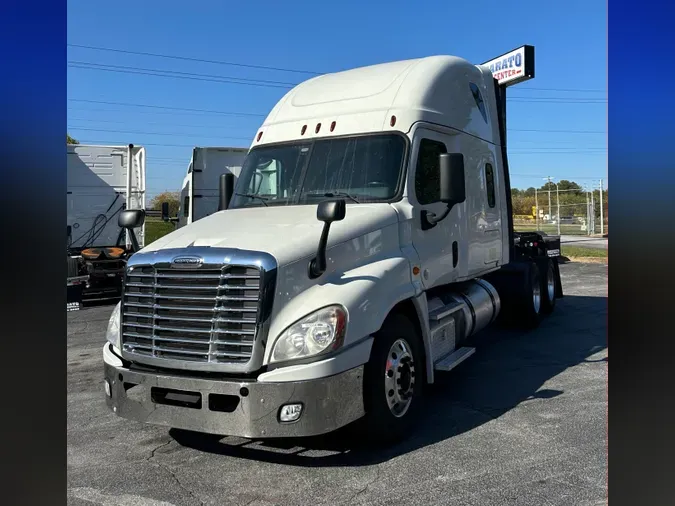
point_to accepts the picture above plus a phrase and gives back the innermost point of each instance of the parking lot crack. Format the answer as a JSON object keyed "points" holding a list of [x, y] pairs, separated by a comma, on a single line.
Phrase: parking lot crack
{"points": [[364, 489], [152, 460]]}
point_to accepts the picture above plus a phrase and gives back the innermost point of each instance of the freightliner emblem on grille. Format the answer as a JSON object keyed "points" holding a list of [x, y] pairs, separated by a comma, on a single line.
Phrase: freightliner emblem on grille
{"points": [[187, 262]]}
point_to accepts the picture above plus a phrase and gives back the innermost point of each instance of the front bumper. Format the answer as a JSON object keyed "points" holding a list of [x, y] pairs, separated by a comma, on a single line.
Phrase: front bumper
{"points": [[235, 408]]}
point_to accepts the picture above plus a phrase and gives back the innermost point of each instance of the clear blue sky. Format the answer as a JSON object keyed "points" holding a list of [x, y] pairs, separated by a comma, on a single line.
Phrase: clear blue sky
{"points": [[568, 92]]}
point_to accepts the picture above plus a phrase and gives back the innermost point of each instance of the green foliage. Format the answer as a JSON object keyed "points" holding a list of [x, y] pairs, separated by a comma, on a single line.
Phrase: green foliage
{"points": [[70, 140], [173, 199]]}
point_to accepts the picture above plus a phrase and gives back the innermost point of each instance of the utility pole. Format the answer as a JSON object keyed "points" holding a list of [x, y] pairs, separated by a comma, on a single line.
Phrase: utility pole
{"points": [[602, 213], [536, 208], [588, 214], [593, 210], [549, 196], [557, 199]]}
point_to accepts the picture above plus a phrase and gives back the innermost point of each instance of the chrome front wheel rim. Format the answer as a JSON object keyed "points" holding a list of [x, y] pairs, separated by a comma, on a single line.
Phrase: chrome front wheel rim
{"points": [[399, 378]]}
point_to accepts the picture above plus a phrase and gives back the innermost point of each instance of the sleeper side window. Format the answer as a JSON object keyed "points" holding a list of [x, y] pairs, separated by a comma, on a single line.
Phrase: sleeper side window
{"points": [[490, 184], [427, 173], [478, 97]]}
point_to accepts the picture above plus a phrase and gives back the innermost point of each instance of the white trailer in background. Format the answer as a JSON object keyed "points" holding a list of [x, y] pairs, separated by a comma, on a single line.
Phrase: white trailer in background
{"points": [[102, 181], [199, 193]]}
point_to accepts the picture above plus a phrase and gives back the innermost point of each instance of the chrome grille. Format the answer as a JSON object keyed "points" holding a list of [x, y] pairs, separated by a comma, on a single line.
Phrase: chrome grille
{"points": [[207, 315]]}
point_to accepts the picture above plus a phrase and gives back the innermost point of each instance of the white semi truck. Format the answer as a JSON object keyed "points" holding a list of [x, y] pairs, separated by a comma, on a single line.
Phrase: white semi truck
{"points": [[199, 193], [102, 182], [368, 237]]}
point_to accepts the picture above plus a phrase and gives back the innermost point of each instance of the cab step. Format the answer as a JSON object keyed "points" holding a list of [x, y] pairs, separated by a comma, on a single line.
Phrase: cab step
{"points": [[454, 359]]}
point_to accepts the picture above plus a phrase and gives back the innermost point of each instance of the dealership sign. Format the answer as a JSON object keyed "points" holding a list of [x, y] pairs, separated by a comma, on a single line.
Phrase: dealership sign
{"points": [[513, 67]]}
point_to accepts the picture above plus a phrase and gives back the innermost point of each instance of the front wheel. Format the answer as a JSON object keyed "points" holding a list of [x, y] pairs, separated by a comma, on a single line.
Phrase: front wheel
{"points": [[393, 380]]}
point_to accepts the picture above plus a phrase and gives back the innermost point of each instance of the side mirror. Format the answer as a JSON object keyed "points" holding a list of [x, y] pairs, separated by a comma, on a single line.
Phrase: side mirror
{"points": [[453, 189], [225, 190], [328, 212], [129, 220], [165, 211]]}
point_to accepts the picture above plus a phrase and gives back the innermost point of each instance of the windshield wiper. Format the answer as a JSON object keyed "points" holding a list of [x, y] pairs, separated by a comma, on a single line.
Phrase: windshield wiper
{"points": [[341, 194], [254, 196]]}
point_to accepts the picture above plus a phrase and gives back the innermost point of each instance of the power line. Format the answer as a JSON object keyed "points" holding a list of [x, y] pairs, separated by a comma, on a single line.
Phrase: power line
{"points": [[557, 131], [127, 104], [233, 113], [538, 176], [170, 134], [89, 120], [120, 69], [193, 76], [278, 69], [200, 60], [579, 90], [115, 143]]}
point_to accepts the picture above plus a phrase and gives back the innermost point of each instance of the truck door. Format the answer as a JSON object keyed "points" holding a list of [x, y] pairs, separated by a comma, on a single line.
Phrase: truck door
{"points": [[184, 212], [209, 164], [441, 250]]}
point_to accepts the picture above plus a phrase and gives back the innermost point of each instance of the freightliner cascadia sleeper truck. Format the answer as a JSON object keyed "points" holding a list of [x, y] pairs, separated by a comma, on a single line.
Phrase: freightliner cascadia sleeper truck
{"points": [[368, 237]]}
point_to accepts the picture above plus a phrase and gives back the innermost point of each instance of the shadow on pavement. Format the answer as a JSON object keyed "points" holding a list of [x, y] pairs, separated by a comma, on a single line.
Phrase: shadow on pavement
{"points": [[508, 368]]}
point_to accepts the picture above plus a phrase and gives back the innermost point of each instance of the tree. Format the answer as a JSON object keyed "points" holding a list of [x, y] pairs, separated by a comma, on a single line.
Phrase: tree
{"points": [[172, 198], [70, 140]]}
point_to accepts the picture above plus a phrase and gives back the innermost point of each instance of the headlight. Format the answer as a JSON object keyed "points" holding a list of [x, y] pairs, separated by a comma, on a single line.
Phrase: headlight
{"points": [[113, 332], [320, 332]]}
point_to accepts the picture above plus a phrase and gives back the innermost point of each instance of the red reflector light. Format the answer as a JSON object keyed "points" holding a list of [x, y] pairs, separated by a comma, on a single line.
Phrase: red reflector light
{"points": [[534, 244]]}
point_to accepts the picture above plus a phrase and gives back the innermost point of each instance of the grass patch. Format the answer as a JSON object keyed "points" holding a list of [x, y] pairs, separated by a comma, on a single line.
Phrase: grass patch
{"points": [[155, 229], [580, 254], [565, 229]]}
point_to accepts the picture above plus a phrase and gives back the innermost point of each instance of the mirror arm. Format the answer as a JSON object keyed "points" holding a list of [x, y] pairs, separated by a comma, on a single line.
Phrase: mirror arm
{"points": [[430, 220], [134, 241], [318, 264]]}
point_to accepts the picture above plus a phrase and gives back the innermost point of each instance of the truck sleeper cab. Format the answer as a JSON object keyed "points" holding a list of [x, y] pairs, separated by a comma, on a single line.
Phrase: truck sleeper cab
{"points": [[367, 239]]}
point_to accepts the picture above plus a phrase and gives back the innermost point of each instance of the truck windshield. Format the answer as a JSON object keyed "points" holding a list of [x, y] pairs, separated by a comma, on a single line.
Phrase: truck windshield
{"points": [[365, 168]]}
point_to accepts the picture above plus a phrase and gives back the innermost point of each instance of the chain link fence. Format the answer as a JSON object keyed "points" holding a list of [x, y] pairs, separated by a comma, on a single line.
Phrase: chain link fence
{"points": [[562, 212]]}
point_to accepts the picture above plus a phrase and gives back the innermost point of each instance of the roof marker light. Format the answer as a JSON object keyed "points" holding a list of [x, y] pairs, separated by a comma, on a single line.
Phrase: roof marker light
{"points": [[259, 136], [332, 126], [318, 127], [392, 121], [303, 129]]}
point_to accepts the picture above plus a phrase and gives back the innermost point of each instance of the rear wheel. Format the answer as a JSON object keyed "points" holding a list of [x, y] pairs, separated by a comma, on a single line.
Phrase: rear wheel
{"points": [[393, 380], [531, 297], [548, 288]]}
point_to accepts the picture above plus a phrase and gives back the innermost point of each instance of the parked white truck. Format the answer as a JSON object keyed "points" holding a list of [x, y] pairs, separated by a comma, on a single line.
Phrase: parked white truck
{"points": [[368, 237], [102, 181], [199, 193]]}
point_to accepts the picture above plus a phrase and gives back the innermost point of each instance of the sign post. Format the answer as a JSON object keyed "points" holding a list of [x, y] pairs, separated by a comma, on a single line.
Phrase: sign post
{"points": [[508, 69], [511, 68]]}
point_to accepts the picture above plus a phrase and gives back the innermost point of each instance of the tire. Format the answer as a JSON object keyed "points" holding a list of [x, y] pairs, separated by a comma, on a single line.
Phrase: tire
{"points": [[528, 314], [395, 359], [549, 286]]}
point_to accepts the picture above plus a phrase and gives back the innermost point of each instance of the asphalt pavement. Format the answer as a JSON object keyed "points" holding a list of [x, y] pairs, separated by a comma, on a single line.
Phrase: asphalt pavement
{"points": [[524, 421]]}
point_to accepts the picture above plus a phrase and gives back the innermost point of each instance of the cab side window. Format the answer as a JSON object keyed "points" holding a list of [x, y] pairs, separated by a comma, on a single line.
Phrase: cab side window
{"points": [[427, 172]]}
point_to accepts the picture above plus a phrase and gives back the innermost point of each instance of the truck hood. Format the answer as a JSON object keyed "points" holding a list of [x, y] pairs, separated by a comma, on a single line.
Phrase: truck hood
{"points": [[288, 233]]}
